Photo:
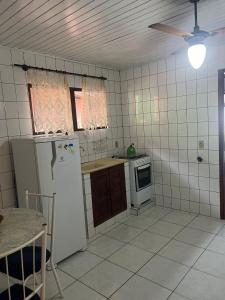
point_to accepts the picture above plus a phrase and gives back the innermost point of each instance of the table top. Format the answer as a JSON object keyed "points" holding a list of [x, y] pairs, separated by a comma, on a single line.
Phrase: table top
{"points": [[18, 227]]}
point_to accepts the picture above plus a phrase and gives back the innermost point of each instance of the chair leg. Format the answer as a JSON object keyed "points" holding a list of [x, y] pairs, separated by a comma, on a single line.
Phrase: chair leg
{"points": [[56, 278]]}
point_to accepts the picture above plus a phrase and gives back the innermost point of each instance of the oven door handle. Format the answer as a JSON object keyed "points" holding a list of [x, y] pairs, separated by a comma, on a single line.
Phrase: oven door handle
{"points": [[143, 167]]}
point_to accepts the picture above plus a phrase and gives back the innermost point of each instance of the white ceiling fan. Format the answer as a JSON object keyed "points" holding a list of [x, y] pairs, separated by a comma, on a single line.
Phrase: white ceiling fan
{"points": [[195, 39]]}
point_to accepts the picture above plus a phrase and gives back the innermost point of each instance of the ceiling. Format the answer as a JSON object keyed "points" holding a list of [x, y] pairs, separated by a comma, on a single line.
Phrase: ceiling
{"points": [[107, 32]]}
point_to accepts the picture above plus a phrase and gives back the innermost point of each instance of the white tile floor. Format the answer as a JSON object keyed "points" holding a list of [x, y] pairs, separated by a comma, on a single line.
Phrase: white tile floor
{"points": [[162, 254]]}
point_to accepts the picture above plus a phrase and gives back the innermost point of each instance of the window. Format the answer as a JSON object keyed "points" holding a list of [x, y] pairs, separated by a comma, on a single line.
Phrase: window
{"points": [[88, 105], [57, 108], [50, 102]]}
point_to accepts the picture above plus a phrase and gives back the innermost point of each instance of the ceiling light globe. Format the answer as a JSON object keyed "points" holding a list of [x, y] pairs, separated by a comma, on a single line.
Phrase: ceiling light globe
{"points": [[196, 55]]}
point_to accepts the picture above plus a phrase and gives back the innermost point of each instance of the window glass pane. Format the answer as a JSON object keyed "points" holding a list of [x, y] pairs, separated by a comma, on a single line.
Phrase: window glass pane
{"points": [[88, 112], [78, 103], [89, 106], [50, 102]]}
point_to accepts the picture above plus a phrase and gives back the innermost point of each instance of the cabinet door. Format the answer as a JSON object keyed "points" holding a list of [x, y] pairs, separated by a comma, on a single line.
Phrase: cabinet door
{"points": [[100, 196], [117, 189]]}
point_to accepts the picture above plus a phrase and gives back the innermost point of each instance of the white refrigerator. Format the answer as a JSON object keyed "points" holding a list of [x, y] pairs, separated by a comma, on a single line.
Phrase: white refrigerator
{"points": [[49, 165]]}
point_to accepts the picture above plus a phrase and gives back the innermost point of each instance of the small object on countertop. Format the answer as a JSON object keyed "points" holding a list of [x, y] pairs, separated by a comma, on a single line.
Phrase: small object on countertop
{"points": [[199, 159], [131, 151], [1, 219]]}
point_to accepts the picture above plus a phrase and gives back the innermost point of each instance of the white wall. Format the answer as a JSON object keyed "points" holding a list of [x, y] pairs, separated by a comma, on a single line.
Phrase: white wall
{"points": [[167, 109], [15, 119]]}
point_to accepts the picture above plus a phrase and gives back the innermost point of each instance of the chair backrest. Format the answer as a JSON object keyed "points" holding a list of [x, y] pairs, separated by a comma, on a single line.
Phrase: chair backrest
{"points": [[20, 291], [46, 205]]}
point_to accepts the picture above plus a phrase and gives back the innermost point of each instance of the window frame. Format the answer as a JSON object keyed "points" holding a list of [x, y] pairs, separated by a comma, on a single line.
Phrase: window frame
{"points": [[29, 87], [73, 107], [73, 110]]}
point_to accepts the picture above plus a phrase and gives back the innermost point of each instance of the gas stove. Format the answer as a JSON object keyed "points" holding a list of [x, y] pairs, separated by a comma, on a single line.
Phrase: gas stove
{"points": [[137, 156]]}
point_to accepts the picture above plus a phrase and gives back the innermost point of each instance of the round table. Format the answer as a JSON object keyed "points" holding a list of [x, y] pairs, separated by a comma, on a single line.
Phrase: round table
{"points": [[18, 227]]}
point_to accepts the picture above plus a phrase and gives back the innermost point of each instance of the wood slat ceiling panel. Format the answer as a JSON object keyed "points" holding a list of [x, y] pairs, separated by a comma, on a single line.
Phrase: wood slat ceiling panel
{"points": [[4, 5], [14, 9], [111, 32], [30, 17], [22, 14], [43, 21], [57, 25], [114, 23], [136, 23], [104, 29]]}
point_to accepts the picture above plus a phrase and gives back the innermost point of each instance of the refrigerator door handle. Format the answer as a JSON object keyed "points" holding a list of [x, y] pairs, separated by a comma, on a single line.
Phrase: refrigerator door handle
{"points": [[53, 158]]}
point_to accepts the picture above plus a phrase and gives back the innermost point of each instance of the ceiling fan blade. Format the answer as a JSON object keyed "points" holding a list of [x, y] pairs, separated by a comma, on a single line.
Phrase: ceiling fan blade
{"points": [[170, 30], [178, 51], [218, 31]]}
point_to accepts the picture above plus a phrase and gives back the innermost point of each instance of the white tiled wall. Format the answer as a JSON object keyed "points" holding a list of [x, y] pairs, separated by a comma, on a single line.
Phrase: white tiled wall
{"points": [[168, 108], [15, 119]]}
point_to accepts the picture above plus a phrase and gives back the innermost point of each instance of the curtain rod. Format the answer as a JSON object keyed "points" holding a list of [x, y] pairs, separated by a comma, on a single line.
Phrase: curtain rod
{"points": [[26, 68]]}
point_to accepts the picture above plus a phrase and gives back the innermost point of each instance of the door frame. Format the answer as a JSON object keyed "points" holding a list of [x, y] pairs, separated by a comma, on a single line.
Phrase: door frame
{"points": [[221, 77]]}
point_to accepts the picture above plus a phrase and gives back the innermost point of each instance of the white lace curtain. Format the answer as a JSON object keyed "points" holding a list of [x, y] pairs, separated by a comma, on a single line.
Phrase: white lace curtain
{"points": [[93, 104], [50, 101]]}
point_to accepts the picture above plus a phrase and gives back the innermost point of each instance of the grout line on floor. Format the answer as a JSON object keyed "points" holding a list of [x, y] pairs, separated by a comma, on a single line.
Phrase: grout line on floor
{"points": [[56, 295], [154, 254], [92, 289], [104, 258], [135, 273], [85, 272], [192, 267]]}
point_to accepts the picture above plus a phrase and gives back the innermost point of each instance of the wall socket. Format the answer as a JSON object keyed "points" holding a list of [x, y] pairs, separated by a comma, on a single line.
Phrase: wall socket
{"points": [[201, 145]]}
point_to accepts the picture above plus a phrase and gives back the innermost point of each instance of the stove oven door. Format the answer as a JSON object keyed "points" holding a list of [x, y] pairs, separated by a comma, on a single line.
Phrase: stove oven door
{"points": [[143, 177]]}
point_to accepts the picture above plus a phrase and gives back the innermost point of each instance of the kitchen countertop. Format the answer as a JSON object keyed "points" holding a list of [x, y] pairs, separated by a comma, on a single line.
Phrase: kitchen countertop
{"points": [[100, 164]]}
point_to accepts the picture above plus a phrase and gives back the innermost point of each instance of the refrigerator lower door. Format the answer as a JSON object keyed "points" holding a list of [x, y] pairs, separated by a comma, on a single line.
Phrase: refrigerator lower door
{"points": [[60, 172]]}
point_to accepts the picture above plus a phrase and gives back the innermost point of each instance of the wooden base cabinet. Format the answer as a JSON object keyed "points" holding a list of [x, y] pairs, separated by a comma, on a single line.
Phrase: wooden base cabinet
{"points": [[108, 190], [100, 196]]}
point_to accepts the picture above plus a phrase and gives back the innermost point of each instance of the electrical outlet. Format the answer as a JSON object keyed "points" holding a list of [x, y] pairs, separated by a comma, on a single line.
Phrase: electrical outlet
{"points": [[201, 145]]}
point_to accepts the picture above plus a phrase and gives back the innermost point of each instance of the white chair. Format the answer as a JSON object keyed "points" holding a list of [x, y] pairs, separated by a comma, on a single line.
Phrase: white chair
{"points": [[50, 219], [21, 291]]}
